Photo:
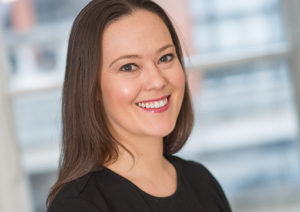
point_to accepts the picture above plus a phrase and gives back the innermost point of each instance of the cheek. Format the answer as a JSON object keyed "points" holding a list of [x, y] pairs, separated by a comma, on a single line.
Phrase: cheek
{"points": [[118, 92], [177, 78]]}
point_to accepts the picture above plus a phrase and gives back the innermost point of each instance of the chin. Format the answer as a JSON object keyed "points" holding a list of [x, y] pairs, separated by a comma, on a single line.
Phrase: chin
{"points": [[162, 131]]}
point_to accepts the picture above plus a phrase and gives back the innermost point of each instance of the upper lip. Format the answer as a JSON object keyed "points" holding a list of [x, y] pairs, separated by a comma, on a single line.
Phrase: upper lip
{"points": [[154, 100]]}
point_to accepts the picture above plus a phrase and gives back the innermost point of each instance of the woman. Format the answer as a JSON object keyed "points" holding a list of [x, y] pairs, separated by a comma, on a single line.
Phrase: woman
{"points": [[126, 110]]}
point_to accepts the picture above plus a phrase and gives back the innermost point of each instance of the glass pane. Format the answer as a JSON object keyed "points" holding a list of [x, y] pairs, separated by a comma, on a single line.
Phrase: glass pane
{"points": [[221, 25], [40, 111]]}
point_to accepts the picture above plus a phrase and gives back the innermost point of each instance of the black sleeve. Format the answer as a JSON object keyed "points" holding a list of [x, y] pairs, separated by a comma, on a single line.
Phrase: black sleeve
{"points": [[73, 205]]}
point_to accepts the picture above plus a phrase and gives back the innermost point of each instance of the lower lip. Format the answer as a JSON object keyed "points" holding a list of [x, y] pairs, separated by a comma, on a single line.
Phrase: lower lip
{"points": [[158, 110]]}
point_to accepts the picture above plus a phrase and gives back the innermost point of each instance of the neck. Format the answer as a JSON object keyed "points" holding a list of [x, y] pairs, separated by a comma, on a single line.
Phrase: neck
{"points": [[148, 155]]}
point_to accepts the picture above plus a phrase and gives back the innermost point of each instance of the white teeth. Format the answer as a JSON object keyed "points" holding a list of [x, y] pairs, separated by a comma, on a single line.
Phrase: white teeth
{"points": [[156, 104], [161, 103]]}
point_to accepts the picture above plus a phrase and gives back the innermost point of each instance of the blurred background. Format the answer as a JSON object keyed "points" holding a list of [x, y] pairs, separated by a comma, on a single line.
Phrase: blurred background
{"points": [[243, 61]]}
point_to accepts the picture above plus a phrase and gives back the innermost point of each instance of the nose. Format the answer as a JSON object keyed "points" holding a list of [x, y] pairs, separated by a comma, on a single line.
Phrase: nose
{"points": [[155, 78]]}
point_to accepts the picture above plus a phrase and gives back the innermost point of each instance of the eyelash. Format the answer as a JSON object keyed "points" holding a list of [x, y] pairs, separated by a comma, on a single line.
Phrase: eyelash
{"points": [[124, 68]]}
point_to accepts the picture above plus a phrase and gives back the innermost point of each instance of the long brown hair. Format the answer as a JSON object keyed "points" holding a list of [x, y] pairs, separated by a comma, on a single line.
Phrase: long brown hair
{"points": [[86, 141]]}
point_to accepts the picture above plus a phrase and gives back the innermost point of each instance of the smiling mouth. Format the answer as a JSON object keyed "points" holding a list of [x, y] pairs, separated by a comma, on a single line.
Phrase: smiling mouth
{"points": [[153, 105]]}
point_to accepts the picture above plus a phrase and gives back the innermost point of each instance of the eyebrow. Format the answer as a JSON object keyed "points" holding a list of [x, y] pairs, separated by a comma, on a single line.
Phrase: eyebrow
{"points": [[138, 56]]}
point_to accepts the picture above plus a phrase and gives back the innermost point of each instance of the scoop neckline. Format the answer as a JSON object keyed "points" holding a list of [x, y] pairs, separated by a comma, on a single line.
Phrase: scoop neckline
{"points": [[135, 187]]}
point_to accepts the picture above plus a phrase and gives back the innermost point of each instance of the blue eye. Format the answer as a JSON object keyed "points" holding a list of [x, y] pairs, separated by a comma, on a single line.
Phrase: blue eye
{"points": [[166, 58], [128, 67]]}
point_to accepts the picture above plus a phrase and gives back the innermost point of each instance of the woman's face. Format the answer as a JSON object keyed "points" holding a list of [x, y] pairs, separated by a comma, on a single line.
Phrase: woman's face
{"points": [[142, 80]]}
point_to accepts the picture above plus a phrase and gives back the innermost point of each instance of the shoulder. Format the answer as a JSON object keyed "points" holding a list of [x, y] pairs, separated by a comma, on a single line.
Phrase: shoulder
{"points": [[74, 204], [191, 167], [194, 170], [77, 195], [201, 180]]}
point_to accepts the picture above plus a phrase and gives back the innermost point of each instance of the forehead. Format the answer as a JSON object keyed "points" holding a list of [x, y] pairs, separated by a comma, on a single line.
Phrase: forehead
{"points": [[136, 33]]}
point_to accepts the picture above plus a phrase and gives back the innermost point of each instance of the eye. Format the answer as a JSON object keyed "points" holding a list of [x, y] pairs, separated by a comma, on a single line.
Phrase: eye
{"points": [[166, 58], [128, 67]]}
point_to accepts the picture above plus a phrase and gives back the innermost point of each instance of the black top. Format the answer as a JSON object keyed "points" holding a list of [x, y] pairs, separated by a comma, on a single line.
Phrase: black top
{"points": [[106, 191]]}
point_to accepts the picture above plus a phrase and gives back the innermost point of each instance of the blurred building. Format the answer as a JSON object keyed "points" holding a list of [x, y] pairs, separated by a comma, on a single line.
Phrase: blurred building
{"points": [[242, 60]]}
